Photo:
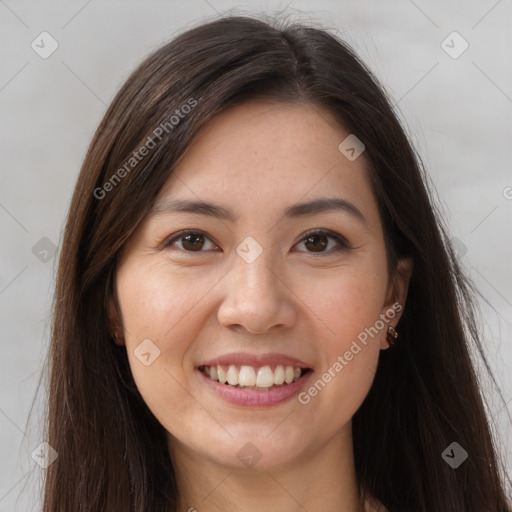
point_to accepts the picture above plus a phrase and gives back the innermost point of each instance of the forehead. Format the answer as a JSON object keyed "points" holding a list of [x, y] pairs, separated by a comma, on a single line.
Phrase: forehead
{"points": [[262, 156]]}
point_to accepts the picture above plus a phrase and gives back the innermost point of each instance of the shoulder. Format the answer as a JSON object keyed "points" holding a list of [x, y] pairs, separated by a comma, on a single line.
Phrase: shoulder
{"points": [[373, 505]]}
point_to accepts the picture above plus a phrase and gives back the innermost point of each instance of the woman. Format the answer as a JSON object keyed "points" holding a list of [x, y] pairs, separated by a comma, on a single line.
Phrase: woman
{"points": [[256, 305]]}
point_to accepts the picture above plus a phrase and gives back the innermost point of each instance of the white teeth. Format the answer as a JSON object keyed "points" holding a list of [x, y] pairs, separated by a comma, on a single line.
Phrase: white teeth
{"points": [[279, 375], [289, 374], [232, 375], [265, 378], [222, 377], [247, 376]]}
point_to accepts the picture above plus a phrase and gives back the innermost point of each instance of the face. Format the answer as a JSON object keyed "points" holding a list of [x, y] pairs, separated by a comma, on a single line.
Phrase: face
{"points": [[290, 304]]}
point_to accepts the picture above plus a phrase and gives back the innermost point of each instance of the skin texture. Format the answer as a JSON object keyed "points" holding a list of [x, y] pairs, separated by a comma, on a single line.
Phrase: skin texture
{"points": [[296, 298]]}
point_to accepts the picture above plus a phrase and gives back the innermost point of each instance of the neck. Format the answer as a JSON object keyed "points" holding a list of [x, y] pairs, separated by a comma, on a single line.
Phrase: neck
{"points": [[322, 478]]}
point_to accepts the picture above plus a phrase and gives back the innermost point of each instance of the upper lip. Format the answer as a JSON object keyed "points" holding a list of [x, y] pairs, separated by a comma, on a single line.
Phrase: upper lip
{"points": [[256, 360]]}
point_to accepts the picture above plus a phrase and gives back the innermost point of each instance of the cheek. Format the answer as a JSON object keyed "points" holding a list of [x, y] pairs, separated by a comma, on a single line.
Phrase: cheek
{"points": [[347, 311], [346, 303], [161, 307], [349, 354], [159, 303], [338, 392]]}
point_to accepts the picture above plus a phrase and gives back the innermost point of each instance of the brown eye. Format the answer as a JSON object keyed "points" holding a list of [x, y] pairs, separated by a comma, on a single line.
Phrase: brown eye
{"points": [[317, 241], [191, 241]]}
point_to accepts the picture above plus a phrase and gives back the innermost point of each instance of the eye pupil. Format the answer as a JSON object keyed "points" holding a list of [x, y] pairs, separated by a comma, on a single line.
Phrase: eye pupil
{"points": [[322, 245], [194, 238]]}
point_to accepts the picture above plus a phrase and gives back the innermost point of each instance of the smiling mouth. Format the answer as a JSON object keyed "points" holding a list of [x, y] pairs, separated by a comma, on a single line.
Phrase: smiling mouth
{"points": [[262, 378]]}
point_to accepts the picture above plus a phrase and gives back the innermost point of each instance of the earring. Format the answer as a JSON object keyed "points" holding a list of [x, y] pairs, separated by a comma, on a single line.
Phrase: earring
{"points": [[392, 335]]}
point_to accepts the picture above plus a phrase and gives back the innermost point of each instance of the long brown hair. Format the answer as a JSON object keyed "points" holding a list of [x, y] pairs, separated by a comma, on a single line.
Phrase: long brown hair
{"points": [[112, 453]]}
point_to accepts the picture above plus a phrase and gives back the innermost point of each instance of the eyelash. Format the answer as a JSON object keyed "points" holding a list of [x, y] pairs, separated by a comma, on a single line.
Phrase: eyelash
{"points": [[343, 244]]}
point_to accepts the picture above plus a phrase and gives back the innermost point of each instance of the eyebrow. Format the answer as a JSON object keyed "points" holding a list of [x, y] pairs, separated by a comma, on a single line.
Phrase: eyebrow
{"points": [[314, 207]]}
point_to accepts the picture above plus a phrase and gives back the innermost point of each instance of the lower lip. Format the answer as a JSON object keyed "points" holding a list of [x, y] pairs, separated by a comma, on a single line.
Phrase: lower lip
{"points": [[253, 398]]}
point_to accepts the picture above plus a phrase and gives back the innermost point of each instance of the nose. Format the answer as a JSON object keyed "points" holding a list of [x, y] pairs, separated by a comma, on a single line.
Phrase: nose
{"points": [[257, 297]]}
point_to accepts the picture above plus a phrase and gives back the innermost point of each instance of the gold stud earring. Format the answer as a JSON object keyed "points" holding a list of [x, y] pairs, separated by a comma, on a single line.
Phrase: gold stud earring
{"points": [[392, 335]]}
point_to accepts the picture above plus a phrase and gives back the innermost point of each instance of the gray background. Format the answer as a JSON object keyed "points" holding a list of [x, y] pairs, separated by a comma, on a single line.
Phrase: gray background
{"points": [[457, 111]]}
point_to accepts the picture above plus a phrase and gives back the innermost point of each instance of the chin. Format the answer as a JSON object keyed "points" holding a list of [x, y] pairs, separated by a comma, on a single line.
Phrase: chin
{"points": [[255, 449]]}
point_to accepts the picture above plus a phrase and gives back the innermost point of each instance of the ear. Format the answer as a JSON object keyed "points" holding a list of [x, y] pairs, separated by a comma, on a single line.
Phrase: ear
{"points": [[114, 320], [396, 297]]}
